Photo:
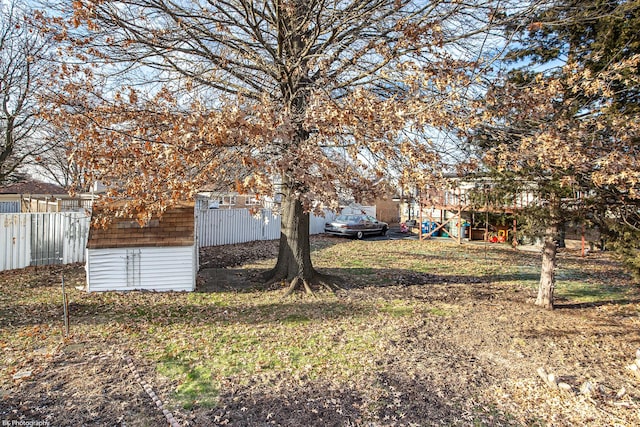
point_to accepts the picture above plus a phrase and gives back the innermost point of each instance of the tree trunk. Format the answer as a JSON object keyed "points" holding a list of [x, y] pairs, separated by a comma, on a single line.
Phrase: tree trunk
{"points": [[294, 253], [8, 145], [548, 271]]}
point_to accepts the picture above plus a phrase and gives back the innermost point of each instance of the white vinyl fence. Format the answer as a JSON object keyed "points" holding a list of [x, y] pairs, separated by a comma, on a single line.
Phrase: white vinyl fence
{"points": [[227, 226], [61, 237], [42, 238]]}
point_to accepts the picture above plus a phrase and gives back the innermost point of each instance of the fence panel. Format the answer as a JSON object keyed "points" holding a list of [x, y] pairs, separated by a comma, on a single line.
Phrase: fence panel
{"points": [[15, 241], [46, 239], [42, 238], [228, 226], [76, 233], [316, 222]]}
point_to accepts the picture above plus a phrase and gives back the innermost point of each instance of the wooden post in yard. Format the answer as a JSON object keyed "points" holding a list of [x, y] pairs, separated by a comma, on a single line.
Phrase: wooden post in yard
{"points": [[486, 226], [459, 216], [459, 224], [420, 218], [65, 309], [514, 242]]}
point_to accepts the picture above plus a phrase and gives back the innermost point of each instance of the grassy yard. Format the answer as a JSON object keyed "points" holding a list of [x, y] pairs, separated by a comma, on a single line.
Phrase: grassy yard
{"points": [[425, 333]]}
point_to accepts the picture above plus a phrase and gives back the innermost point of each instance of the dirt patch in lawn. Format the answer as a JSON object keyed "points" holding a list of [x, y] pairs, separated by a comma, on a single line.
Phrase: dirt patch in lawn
{"points": [[424, 334], [74, 387], [234, 255]]}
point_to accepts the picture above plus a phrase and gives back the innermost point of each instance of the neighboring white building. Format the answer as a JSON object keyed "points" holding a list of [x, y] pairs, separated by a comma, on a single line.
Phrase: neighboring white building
{"points": [[16, 197]]}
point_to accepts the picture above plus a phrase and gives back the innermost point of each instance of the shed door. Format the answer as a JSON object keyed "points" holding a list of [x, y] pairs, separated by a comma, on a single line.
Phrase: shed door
{"points": [[132, 267]]}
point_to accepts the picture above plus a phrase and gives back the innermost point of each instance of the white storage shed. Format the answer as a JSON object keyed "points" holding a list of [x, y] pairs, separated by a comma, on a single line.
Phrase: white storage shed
{"points": [[160, 256]]}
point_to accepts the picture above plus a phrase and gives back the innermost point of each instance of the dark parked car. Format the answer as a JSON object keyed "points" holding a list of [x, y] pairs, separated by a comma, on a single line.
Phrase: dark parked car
{"points": [[356, 225]]}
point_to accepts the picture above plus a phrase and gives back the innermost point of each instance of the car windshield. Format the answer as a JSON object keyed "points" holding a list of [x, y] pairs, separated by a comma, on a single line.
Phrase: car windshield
{"points": [[349, 218]]}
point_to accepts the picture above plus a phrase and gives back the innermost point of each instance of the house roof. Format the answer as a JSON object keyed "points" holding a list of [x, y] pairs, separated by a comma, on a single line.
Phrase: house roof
{"points": [[32, 187]]}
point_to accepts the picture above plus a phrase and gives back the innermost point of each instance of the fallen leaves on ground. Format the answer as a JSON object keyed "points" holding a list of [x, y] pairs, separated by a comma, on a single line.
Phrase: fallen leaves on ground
{"points": [[425, 333]]}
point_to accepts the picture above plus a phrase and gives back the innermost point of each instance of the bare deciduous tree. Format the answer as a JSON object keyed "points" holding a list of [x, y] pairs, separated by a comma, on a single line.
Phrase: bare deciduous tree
{"points": [[23, 73], [302, 98]]}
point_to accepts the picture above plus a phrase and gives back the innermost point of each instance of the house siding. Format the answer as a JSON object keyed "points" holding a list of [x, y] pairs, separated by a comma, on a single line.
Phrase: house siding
{"points": [[10, 206]]}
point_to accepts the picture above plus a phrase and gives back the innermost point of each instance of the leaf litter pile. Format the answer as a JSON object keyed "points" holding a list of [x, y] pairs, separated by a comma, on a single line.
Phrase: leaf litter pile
{"points": [[424, 333]]}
